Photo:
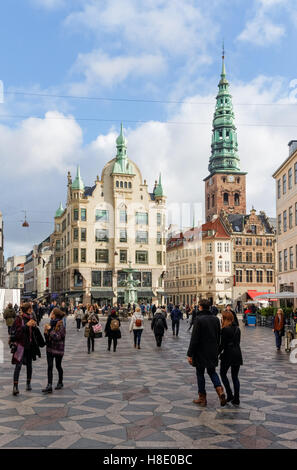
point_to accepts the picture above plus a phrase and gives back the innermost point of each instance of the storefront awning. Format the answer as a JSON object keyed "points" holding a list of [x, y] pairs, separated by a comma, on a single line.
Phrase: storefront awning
{"points": [[278, 295], [254, 293]]}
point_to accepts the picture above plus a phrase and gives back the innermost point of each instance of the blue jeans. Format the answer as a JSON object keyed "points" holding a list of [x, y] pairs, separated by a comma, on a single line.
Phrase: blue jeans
{"points": [[234, 374], [200, 371], [137, 336], [278, 339]]}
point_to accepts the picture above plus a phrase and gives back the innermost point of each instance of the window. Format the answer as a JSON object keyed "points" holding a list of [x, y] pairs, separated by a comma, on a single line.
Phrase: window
{"points": [[238, 275], [259, 258], [295, 213], [141, 237], [268, 241], [83, 234], [238, 256], [75, 214], [268, 257], [101, 256], [226, 199], [102, 215], [212, 200], [236, 199], [284, 184], [279, 222], [226, 247], [83, 215], [64, 225], [117, 184], [219, 247], [285, 259], [269, 276], [227, 266], [220, 266], [209, 248], [123, 256], [279, 189], [75, 255], [96, 278], [83, 255], [125, 184], [58, 245], [290, 217], [285, 221], [249, 275], [159, 257], [123, 216], [101, 235], [295, 173], [259, 276], [291, 258], [159, 219], [280, 264], [253, 229], [130, 185], [141, 218], [159, 238], [141, 257], [249, 241], [238, 241], [258, 241], [123, 235], [249, 257], [290, 173], [107, 278], [146, 279], [75, 234], [208, 202], [209, 266]]}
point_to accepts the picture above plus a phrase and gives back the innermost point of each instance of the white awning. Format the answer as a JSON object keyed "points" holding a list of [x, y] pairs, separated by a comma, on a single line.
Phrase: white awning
{"points": [[278, 295]]}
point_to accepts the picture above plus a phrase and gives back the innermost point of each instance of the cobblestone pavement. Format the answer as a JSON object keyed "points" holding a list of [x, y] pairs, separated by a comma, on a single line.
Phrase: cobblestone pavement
{"points": [[143, 398]]}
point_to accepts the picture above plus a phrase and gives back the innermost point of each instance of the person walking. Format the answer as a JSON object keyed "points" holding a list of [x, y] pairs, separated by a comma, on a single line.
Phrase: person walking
{"points": [[159, 325], [54, 334], [9, 316], [214, 309], [112, 329], [194, 314], [90, 319], [137, 325], [79, 314], [204, 350], [176, 316], [278, 328], [229, 309], [25, 343], [230, 356]]}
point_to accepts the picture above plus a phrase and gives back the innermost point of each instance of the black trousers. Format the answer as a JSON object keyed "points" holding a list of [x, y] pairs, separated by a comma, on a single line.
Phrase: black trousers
{"points": [[234, 374], [175, 327], [91, 341], [50, 365], [159, 339], [115, 342], [78, 323], [27, 359]]}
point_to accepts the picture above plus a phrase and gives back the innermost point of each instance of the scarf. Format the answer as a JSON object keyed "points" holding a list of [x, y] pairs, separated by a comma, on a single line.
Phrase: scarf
{"points": [[26, 318]]}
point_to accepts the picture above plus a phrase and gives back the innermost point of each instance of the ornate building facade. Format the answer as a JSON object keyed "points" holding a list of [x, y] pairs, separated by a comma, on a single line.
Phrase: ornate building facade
{"points": [[105, 228]]}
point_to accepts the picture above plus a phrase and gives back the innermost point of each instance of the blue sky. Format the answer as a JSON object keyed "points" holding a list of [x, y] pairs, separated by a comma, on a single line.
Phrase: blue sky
{"points": [[162, 50]]}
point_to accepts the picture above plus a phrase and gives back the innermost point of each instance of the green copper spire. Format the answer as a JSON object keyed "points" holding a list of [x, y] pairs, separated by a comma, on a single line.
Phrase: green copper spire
{"points": [[159, 188], [59, 211], [224, 147], [78, 182], [122, 164]]}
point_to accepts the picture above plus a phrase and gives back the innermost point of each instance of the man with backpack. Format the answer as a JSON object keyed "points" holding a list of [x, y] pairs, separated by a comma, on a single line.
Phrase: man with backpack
{"points": [[176, 316], [159, 325]]}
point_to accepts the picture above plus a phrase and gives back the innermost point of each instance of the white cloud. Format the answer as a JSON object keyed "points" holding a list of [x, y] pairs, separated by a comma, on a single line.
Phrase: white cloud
{"points": [[262, 30], [49, 4], [100, 69]]}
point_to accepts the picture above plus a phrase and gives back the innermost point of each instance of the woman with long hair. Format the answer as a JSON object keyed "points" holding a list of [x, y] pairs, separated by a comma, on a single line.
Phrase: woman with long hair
{"points": [[278, 328], [230, 355], [89, 320]]}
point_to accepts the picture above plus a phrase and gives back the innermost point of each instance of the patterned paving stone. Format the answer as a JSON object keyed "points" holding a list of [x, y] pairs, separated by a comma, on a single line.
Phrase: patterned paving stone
{"points": [[143, 398]]}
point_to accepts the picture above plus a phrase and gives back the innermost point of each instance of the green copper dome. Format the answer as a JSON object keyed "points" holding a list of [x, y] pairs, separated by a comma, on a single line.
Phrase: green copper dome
{"points": [[78, 182], [122, 165], [224, 146], [59, 211], [159, 188]]}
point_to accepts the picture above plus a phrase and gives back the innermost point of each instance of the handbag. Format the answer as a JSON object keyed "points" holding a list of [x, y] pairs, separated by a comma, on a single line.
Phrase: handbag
{"points": [[19, 353], [97, 329]]}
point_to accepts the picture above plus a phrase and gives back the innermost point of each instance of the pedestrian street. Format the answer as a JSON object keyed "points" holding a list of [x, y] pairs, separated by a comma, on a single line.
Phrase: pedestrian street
{"points": [[143, 398]]}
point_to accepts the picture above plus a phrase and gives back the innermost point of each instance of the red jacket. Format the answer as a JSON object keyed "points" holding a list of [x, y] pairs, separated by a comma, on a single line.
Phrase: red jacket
{"points": [[278, 323]]}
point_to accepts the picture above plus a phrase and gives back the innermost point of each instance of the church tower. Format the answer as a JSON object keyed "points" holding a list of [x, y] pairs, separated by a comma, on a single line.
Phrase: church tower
{"points": [[225, 186]]}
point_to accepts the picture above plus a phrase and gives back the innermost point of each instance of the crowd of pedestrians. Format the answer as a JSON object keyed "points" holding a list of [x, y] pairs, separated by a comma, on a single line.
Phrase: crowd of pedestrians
{"points": [[211, 341]]}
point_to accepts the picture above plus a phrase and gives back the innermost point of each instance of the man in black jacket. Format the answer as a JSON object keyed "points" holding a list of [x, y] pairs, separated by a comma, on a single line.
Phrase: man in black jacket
{"points": [[204, 350]]}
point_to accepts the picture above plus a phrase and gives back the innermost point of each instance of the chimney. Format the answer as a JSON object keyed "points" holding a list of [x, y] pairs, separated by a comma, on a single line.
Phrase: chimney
{"points": [[292, 147]]}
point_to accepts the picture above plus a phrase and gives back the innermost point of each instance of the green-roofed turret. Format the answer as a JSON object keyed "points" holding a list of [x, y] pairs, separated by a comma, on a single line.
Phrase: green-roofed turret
{"points": [[158, 192], [59, 211], [122, 165], [78, 182]]}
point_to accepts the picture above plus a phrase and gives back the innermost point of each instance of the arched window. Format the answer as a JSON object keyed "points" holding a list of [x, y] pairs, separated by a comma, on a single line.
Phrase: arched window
{"points": [[125, 184], [226, 199], [130, 185], [208, 202], [121, 184], [237, 180], [212, 201], [236, 199], [117, 184]]}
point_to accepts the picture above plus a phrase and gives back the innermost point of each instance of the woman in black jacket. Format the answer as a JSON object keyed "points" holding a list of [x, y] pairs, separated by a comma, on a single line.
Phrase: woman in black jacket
{"points": [[112, 330], [230, 355]]}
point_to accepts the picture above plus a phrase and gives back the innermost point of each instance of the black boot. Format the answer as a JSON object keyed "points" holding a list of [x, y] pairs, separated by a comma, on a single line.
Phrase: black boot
{"points": [[48, 389], [28, 386], [15, 390], [59, 386], [230, 397], [236, 401]]}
